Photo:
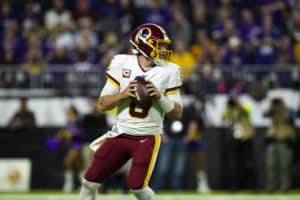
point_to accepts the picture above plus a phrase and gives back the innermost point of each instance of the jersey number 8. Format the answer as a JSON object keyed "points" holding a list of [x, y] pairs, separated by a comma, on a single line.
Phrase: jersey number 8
{"points": [[137, 111]]}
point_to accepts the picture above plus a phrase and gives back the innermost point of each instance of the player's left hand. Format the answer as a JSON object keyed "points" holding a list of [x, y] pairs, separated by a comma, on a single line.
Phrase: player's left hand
{"points": [[153, 91]]}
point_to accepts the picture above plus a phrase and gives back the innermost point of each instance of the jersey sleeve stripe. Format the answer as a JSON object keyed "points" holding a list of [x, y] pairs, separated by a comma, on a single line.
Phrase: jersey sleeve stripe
{"points": [[153, 159], [113, 81], [172, 90]]}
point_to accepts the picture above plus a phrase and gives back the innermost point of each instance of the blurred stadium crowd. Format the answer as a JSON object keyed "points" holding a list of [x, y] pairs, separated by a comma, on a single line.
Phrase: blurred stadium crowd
{"points": [[223, 44], [223, 47]]}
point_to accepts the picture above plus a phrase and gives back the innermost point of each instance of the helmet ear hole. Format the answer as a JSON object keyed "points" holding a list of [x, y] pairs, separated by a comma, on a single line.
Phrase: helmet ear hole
{"points": [[145, 33]]}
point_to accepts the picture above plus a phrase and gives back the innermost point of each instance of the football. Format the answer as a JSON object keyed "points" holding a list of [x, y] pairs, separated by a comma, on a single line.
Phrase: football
{"points": [[143, 98]]}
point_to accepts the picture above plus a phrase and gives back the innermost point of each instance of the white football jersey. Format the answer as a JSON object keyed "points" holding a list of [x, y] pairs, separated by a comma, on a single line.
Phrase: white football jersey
{"points": [[132, 119]]}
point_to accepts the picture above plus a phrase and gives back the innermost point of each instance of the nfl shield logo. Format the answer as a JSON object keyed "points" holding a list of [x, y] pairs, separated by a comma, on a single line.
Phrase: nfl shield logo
{"points": [[126, 73]]}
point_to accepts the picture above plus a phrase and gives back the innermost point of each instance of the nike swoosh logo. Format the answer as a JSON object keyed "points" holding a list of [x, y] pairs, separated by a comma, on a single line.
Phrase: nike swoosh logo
{"points": [[144, 140]]}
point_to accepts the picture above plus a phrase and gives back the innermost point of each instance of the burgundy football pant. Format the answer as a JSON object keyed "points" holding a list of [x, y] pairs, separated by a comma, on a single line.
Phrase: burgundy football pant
{"points": [[115, 152]]}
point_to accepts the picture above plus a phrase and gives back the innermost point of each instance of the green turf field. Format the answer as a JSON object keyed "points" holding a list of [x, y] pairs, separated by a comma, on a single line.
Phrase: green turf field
{"points": [[46, 196]]}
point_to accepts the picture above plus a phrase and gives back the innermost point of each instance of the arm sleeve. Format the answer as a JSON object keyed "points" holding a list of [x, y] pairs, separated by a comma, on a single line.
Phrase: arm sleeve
{"points": [[112, 85], [174, 83], [109, 89], [173, 90], [113, 72]]}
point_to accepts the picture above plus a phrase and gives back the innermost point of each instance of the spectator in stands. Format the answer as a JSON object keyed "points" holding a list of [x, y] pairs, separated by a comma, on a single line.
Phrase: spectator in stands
{"points": [[83, 10], [279, 146], [180, 27], [247, 26], [184, 58], [200, 18], [234, 57], [58, 60], [239, 156], [266, 42], [285, 77], [276, 9], [86, 34], [31, 15], [204, 49], [228, 5], [5, 14], [12, 42], [265, 53], [285, 51], [12, 48], [65, 37], [34, 59], [110, 45], [59, 56], [129, 17], [109, 13], [85, 67], [23, 118], [57, 15], [229, 30], [156, 12], [217, 29], [84, 56], [50, 41]]}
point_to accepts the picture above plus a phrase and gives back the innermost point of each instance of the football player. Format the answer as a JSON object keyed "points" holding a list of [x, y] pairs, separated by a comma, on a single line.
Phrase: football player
{"points": [[136, 134]]}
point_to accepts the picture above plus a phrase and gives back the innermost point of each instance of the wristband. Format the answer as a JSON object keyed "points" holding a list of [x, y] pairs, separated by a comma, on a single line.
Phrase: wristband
{"points": [[165, 104]]}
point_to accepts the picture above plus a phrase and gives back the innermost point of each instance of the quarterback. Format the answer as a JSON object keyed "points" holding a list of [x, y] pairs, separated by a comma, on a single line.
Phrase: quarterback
{"points": [[136, 134]]}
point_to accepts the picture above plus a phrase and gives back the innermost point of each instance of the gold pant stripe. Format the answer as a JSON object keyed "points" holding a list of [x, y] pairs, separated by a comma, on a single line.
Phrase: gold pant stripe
{"points": [[153, 159]]}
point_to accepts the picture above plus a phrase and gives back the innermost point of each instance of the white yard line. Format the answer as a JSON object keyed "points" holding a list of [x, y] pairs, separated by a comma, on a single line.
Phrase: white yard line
{"points": [[160, 197]]}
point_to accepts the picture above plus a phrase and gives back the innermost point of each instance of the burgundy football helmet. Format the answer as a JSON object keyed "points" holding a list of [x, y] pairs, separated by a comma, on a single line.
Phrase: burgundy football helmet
{"points": [[152, 41]]}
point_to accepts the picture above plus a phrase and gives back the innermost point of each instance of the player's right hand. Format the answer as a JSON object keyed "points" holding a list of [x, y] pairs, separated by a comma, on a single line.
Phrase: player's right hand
{"points": [[130, 91]]}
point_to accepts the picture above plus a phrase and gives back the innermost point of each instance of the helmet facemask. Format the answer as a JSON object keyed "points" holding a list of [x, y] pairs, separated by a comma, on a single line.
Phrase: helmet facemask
{"points": [[161, 52]]}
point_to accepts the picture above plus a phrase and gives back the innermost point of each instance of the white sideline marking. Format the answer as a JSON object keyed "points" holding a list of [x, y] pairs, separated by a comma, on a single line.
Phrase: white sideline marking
{"points": [[159, 197]]}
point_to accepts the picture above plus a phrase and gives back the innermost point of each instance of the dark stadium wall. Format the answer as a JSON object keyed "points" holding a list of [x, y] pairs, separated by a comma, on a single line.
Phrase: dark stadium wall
{"points": [[47, 169]]}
